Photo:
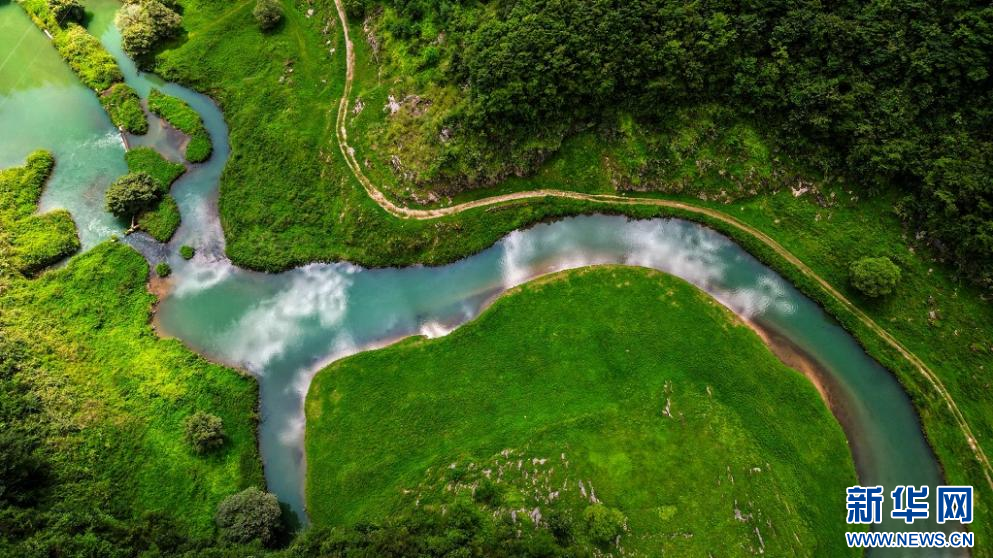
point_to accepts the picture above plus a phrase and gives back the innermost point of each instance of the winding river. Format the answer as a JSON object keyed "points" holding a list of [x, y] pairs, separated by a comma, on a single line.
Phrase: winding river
{"points": [[284, 327]]}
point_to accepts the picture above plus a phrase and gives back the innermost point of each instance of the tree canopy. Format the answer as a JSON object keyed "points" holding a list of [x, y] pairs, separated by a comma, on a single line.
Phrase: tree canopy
{"points": [[132, 193], [889, 94]]}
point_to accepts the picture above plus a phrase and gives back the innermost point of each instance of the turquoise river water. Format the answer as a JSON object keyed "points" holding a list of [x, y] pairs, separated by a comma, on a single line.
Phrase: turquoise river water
{"points": [[284, 327]]}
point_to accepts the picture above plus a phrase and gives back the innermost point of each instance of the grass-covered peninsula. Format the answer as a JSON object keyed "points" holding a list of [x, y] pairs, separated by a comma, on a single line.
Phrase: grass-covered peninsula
{"points": [[30, 242], [594, 385], [95, 67]]}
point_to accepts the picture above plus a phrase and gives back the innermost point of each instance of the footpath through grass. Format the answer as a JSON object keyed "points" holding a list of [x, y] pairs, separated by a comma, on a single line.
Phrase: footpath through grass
{"points": [[609, 377]]}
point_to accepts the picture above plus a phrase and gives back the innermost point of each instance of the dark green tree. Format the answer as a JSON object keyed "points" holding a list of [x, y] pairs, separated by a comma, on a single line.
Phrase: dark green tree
{"points": [[66, 11], [131, 194], [250, 515], [268, 13], [874, 276]]}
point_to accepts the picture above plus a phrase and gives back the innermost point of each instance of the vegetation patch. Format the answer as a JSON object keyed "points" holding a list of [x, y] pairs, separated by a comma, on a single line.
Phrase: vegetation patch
{"points": [[124, 107], [313, 210], [180, 115], [152, 163], [95, 67], [558, 424], [102, 441], [161, 222], [31, 242], [144, 24]]}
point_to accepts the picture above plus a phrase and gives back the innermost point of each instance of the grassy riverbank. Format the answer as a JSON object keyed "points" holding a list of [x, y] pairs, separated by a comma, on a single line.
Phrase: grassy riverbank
{"points": [[163, 221], [315, 211], [30, 242], [617, 382], [95, 66], [109, 400], [181, 116]]}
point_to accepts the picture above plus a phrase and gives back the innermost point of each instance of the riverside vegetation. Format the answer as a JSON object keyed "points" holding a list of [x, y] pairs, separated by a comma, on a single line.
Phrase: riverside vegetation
{"points": [[286, 112], [93, 405], [821, 215], [162, 221], [622, 399], [95, 66], [31, 242], [119, 443]]}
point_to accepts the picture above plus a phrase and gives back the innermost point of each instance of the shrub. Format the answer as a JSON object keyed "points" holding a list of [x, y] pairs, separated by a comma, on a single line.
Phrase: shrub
{"points": [[163, 269], [67, 11], [248, 516], [132, 193], [268, 13], [186, 252], [144, 24], [204, 431], [603, 524], [874, 276]]}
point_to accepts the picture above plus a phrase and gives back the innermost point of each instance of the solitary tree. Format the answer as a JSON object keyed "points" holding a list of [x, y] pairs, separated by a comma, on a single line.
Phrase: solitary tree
{"points": [[874, 276], [248, 516], [131, 194], [204, 431], [268, 13]]}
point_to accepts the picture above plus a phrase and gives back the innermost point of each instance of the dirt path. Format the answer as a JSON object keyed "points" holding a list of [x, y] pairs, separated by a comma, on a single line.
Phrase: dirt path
{"points": [[421, 214]]}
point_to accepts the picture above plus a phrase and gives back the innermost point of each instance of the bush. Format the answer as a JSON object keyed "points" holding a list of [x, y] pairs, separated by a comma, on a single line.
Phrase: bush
{"points": [[268, 13], [163, 269], [248, 516], [874, 276], [144, 24], [204, 431], [604, 524], [186, 252], [131, 194], [67, 11]]}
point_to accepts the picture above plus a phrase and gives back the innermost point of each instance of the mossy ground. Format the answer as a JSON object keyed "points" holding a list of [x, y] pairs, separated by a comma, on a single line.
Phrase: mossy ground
{"points": [[612, 376]]}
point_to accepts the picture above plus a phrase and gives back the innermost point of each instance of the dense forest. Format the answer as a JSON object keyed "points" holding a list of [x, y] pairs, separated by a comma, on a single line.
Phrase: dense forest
{"points": [[885, 93]]}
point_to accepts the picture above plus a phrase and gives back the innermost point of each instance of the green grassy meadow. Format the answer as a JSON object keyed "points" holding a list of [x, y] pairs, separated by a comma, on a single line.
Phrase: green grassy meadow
{"points": [[611, 376], [113, 396]]}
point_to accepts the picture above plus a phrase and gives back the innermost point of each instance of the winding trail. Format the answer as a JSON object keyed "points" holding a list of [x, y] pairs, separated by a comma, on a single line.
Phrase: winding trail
{"points": [[423, 214]]}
